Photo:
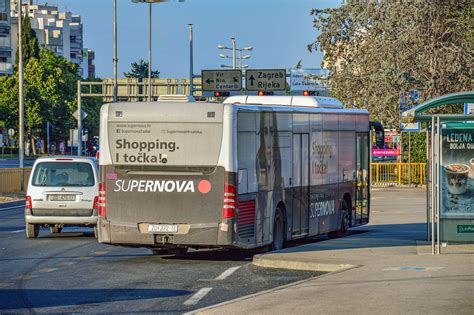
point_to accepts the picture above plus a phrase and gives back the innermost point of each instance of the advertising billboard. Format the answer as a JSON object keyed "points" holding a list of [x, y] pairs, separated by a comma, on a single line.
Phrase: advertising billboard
{"points": [[457, 170]]}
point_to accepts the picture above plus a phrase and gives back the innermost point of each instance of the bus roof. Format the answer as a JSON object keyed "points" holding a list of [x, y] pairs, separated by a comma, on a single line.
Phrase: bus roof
{"points": [[306, 101]]}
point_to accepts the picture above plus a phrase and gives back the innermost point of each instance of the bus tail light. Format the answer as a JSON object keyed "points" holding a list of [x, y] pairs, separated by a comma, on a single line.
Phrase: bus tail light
{"points": [[230, 201], [28, 203], [101, 200]]}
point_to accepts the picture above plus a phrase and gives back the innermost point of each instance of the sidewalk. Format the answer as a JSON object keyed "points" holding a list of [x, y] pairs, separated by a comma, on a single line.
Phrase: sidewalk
{"points": [[382, 268]]}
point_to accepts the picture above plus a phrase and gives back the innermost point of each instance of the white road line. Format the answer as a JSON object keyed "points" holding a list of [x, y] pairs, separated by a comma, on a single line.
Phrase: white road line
{"points": [[18, 231], [197, 296], [9, 208], [227, 273]]}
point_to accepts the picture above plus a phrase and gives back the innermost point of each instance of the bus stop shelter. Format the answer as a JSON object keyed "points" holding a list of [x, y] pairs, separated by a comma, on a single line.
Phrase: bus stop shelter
{"points": [[450, 173]]}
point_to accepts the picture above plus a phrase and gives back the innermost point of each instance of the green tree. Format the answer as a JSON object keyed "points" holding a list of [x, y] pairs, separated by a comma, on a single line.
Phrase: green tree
{"points": [[376, 50], [139, 70], [29, 42], [49, 95]]}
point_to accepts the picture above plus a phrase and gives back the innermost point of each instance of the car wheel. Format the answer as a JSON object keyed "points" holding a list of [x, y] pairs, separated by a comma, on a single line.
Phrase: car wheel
{"points": [[56, 229], [32, 230], [278, 231]]}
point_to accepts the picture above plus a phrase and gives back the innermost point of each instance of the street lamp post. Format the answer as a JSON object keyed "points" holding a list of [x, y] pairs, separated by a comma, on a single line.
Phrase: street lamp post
{"points": [[115, 52], [21, 142], [150, 2], [191, 70], [234, 49]]}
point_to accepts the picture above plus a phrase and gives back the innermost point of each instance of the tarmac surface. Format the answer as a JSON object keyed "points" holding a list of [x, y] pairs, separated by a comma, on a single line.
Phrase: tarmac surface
{"points": [[385, 267]]}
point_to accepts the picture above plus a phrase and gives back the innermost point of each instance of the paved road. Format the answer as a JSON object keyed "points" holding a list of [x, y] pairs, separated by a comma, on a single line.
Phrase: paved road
{"points": [[14, 163], [71, 272]]}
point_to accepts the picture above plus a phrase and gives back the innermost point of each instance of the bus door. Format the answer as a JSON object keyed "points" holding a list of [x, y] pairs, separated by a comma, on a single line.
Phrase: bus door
{"points": [[361, 215], [300, 183]]}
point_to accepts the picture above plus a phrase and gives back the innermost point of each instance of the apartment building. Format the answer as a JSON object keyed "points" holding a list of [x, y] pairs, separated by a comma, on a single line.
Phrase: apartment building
{"points": [[60, 32], [5, 39]]}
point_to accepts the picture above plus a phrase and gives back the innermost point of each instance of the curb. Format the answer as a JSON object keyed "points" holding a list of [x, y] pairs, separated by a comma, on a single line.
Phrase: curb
{"points": [[262, 261]]}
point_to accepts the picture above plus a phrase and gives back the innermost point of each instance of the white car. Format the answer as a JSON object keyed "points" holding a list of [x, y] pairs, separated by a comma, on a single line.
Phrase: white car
{"points": [[62, 191]]}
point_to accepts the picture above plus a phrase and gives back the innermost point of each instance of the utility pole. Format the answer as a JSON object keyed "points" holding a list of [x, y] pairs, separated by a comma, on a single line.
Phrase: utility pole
{"points": [[191, 71], [79, 119], [21, 142], [149, 52], [115, 51], [233, 52]]}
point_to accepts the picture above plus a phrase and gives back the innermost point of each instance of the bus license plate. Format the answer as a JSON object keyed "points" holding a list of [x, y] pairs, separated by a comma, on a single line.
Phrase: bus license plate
{"points": [[62, 197], [163, 228]]}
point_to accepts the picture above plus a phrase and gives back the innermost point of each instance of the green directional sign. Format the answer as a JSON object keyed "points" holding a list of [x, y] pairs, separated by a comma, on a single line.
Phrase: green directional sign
{"points": [[221, 80], [465, 228], [265, 80]]}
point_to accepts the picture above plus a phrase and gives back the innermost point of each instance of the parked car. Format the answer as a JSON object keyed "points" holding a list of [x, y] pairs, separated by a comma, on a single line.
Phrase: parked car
{"points": [[62, 191]]}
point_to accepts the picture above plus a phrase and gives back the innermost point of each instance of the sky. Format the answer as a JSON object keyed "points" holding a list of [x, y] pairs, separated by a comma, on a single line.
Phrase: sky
{"points": [[278, 31]]}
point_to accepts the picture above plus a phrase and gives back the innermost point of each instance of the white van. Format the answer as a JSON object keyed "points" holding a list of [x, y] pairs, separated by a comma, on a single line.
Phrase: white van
{"points": [[62, 191]]}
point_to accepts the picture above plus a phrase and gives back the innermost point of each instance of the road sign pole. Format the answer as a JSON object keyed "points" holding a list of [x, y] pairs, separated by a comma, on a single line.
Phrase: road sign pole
{"points": [[191, 70], [409, 159], [79, 119], [47, 137], [21, 142]]}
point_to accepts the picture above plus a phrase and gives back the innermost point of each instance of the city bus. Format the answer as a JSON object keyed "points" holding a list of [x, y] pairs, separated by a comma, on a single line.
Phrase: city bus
{"points": [[252, 171]]}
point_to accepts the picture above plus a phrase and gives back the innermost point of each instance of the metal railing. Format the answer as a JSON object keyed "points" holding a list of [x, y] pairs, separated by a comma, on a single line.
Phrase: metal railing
{"points": [[392, 174], [133, 91], [10, 179]]}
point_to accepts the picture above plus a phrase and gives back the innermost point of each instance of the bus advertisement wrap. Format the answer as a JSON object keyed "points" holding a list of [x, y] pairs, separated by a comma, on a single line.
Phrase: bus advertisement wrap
{"points": [[154, 143], [457, 173]]}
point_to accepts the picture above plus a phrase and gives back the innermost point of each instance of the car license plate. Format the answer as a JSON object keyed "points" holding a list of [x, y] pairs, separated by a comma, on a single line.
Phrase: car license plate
{"points": [[62, 197], [163, 228]]}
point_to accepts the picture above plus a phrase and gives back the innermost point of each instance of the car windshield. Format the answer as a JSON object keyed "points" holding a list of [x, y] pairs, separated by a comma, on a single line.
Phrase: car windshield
{"points": [[57, 174]]}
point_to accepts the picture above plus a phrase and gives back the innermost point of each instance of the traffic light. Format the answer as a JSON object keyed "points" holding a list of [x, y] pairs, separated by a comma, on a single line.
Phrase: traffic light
{"points": [[263, 93], [310, 93], [221, 94]]}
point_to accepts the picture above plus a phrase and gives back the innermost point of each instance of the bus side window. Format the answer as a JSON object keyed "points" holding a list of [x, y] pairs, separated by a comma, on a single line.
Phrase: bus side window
{"points": [[243, 188]]}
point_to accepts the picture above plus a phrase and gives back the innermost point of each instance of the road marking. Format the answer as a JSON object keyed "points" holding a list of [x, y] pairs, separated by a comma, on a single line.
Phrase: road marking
{"points": [[227, 273], [9, 208], [24, 277], [412, 268], [101, 252], [44, 270], [197, 296], [84, 257], [18, 231], [67, 263], [376, 198]]}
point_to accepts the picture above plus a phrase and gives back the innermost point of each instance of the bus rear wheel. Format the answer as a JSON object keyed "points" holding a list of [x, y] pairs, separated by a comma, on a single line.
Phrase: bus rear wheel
{"points": [[278, 231], [178, 251], [344, 223]]}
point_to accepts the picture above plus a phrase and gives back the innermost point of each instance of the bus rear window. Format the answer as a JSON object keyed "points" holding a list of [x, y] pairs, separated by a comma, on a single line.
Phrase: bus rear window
{"points": [[59, 174]]}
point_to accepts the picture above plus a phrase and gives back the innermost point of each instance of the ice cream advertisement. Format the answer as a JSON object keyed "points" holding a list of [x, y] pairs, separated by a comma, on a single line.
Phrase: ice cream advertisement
{"points": [[457, 170]]}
